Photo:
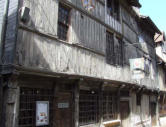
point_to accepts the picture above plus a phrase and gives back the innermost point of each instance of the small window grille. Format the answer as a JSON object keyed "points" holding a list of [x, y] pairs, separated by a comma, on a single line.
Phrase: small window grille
{"points": [[63, 22], [88, 107], [28, 98], [114, 50], [109, 106], [110, 48], [113, 8]]}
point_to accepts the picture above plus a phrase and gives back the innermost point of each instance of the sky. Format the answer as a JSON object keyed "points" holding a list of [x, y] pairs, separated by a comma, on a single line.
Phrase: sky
{"points": [[156, 9]]}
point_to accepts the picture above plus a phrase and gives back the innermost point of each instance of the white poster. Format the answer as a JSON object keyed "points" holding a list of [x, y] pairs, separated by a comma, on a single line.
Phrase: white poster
{"points": [[42, 113]]}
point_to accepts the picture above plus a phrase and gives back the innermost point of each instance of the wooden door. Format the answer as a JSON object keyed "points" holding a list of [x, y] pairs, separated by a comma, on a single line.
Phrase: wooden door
{"points": [[124, 113], [153, 113], [63, 110]]}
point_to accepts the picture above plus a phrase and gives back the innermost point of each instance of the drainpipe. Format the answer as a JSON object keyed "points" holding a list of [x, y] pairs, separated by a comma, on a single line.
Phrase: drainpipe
{"points": [[2, 41], [3, 28]]}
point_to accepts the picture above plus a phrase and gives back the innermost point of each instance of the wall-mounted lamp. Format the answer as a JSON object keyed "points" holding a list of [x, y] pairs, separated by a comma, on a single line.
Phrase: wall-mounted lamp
{"points": [[24, 14]]}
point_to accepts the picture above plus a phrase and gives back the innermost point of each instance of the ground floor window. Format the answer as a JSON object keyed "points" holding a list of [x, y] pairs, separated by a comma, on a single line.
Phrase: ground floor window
{"points": [[88, 107], [109, 106], [90, 103], [28, 98]]}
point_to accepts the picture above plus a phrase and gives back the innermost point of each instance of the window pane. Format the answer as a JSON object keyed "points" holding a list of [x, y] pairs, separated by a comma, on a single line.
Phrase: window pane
{"points": [[88, 107], [63, 21], [28, 98]]}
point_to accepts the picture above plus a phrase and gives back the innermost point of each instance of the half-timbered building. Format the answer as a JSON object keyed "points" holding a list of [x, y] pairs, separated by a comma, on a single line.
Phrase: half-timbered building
{"points": [[77, 63]]}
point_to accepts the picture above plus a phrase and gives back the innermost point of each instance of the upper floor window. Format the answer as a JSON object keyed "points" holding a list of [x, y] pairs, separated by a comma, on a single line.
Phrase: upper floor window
{"points": [[63, 22], [113, 8], [114, 50]]}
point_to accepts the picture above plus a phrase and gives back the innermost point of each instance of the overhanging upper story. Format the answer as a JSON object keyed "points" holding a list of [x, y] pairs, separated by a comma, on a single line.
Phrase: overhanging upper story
{"points": [[94, 38]]}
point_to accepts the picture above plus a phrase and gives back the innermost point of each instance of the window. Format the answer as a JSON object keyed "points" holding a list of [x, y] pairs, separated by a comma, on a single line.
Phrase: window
{"points": [[28, 98], [148, 64], [63, 22], [118, 51], [109, 106], [110, 48], [138, 98], [113, 8], [114, 50], [88, 107]]}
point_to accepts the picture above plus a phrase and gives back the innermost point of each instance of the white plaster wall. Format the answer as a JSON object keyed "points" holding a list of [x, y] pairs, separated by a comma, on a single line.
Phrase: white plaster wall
{"points": [[140, 114]]}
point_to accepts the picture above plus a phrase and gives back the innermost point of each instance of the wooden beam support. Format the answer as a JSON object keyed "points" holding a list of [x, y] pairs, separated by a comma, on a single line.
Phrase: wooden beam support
{"points": [[76, 102], [100, 103], [1, 99]]}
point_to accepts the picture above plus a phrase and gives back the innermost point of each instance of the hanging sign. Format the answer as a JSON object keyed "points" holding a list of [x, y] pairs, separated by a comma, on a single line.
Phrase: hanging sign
{"points": [[42, 113], [137, 67]]}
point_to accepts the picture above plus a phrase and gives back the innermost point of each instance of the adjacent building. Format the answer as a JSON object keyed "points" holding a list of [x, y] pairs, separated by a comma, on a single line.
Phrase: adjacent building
{"points": [[78, 63], [161, 60]]}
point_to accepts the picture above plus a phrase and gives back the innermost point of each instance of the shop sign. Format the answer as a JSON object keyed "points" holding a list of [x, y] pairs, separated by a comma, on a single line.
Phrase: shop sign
{"points": [[137, 64], [137, 67], [63, 105], [42, 113]]}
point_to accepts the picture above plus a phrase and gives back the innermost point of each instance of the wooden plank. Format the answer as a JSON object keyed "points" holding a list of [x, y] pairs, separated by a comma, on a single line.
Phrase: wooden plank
{"points": [[76, 103]]}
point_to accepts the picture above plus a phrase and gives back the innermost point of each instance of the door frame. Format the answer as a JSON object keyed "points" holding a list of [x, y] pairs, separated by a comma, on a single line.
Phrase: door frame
{"points": [[126, 99]]}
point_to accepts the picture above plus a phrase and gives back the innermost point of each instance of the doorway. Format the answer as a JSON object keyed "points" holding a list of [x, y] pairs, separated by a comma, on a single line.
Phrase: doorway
{"points": [[124, 113], [63, 110], [153, 113]]}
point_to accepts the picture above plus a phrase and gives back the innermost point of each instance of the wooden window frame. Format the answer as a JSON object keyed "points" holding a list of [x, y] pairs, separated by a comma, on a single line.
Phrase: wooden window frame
{"points": [[88, 108], [115, 11], [28, 99], [109, 106], [112, 57], [66, 23]]}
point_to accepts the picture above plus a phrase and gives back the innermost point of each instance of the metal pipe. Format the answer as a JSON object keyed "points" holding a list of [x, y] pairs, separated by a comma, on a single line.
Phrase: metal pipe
{"points": [[3, 28]]}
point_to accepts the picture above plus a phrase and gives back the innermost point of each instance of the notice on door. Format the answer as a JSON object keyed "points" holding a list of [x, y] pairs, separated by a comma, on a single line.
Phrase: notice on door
{"points": [[42, 113]]}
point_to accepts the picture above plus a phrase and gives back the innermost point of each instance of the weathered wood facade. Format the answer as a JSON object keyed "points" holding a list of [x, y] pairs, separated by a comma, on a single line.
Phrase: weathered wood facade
{"points": [[38, 65]]}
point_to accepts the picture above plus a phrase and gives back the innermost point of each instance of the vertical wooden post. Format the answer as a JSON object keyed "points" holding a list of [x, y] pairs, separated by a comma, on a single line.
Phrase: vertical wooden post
{"points": [[1, 98], [118, 104], [100, 103], [76, 103], [12, 102]]}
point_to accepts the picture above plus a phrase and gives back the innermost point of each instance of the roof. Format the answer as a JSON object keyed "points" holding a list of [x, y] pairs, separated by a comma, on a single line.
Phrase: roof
{"points": [[135, 3], [159, 37], [148, 22]]}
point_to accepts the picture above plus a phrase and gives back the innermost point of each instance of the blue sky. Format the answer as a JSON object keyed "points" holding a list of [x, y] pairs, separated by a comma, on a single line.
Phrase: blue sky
{"points": [[156, 9]]}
